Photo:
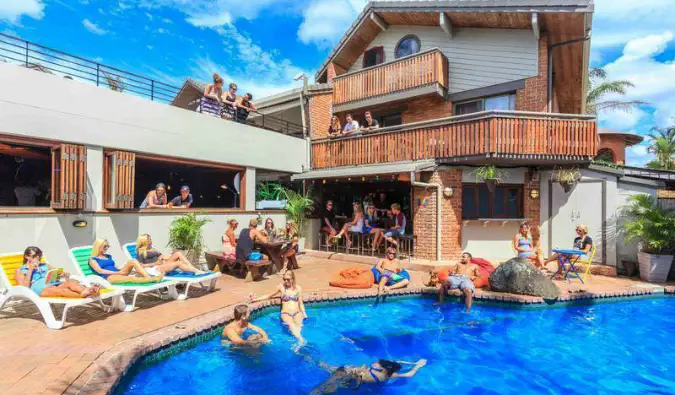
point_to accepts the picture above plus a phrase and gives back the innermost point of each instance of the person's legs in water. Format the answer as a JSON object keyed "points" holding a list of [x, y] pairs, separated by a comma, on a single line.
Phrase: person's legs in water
{"points": [[382, 284], [292, 326], [441, 293], [468, 299]]}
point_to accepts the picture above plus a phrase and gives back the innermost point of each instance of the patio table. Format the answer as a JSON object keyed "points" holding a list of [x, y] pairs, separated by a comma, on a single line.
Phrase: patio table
{"points": [[568, 257]]}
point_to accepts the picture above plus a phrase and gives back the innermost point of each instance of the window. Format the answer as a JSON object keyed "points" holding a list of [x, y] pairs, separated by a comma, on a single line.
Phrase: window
{"points": [[35, 173], [390, 120], [373, 56], [407, 46], [502, 102], [505, 202]]}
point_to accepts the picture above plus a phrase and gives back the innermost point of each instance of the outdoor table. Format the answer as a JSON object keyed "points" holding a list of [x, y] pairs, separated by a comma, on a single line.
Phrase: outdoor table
{"points": [[570, 257], [273, 251]]}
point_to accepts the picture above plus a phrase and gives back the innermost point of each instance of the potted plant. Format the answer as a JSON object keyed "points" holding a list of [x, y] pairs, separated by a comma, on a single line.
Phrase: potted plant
{"points": [[567, 178], [269, 197], [491, 175], [297, 206], [186, 234], [654, 229]]}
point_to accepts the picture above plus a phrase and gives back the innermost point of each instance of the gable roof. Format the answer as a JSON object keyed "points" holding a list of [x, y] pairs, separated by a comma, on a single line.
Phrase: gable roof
{"points": [[377, 7]]}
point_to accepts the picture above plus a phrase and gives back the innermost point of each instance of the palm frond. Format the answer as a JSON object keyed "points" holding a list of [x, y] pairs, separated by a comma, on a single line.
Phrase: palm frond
{"points": [[626, 106]]}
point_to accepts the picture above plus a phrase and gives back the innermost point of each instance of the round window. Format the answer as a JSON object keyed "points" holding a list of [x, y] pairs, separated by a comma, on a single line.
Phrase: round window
{"points": [[407, 46]]}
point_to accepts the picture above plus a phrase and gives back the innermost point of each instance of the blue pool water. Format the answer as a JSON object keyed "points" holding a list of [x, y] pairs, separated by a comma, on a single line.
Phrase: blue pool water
{"points": [[619, 348]]}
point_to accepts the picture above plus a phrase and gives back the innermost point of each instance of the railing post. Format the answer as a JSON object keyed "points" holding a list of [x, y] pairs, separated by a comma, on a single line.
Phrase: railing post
{"points": [[152, 90], [98, 70], [26, 53]]}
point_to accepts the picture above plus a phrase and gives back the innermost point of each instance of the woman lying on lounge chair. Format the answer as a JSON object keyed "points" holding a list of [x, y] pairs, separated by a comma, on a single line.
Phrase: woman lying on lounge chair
{"points": [[156, 263], [34, 275], [103, 265]]}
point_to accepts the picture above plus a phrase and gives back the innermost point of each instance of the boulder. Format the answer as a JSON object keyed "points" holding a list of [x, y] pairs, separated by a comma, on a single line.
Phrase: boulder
{"points": [[519, 276]]}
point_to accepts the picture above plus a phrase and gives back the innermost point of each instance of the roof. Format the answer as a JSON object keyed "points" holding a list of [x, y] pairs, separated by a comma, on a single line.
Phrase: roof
{"points": [[289, 95], [630, 138], [189, 93], [357, 171], [375, 6]]}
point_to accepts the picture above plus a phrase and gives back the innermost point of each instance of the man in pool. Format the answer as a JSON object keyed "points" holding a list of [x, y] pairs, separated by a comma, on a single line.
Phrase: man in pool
{"points": [[353, 376], [235, 333], [461, 277]]}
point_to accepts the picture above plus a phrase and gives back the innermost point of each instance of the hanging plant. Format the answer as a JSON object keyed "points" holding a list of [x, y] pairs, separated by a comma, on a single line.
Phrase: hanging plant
{"points": [[491, 175], [566, 177]]}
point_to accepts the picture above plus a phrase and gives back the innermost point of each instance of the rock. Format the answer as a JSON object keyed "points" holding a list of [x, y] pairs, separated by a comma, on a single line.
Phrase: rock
{"points": [[519, 276]]}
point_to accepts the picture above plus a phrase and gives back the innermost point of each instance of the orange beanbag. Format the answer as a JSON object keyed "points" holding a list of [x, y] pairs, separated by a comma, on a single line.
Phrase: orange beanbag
{"points": [[356, 277]]}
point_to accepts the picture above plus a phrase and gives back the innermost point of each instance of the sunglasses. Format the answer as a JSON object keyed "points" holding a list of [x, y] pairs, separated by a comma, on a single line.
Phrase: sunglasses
{"points": [[391, 252], [106, 246], [288, 279]]}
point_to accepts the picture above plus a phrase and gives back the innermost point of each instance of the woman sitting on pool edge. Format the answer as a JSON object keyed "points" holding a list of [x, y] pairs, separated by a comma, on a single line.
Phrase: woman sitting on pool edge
{"points": [[583, 242], [292, 306], [103, 265], [353, 376], [157, 263], [33, 274]]}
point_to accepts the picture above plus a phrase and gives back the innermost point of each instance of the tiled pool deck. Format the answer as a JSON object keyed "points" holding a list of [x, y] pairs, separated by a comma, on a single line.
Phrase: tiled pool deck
{"points": [[94, 349]]}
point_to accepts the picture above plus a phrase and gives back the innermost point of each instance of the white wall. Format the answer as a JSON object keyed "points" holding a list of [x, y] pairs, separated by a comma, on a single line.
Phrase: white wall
{"points": [[477, 57], [47, 106], [55, 234], [490, 241], [628, 251]]}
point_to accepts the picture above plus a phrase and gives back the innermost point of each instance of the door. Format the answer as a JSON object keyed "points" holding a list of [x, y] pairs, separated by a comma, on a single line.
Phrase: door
{"points": [[584, 204]]}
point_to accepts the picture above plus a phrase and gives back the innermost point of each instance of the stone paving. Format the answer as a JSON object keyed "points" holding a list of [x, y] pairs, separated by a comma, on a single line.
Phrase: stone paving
{"points": [[94, 349]]}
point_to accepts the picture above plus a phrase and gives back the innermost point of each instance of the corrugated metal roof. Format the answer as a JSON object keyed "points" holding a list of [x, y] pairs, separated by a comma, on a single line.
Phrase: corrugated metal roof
{"points": [[357, 171]]}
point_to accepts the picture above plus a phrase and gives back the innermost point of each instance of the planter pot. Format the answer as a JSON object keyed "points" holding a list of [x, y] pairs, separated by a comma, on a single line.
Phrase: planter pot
{"points": [[301, 244], [654, 268], [567, 186], [491, 185], [630, 267], [270, 205]]}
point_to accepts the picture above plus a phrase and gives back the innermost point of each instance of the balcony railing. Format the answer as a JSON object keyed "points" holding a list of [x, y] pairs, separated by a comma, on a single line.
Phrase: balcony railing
{"points": [[501, 133], [415, 71]]}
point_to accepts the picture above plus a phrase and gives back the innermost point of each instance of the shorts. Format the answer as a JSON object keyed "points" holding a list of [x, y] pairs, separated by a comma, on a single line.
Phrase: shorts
{"points": [[153, 271], [393, 233], [461, 282], [356, 229]]}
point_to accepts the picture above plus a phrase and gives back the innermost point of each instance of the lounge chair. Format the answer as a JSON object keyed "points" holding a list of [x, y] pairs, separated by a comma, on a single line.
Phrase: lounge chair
{"points": [[8, 265], [179, 276], [80, 257]]}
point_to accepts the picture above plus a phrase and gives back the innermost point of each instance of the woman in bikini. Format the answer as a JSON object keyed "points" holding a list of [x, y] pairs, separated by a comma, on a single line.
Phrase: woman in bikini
{"points": [[353, 376], [292, 307], [230, 242], [523, 244]]}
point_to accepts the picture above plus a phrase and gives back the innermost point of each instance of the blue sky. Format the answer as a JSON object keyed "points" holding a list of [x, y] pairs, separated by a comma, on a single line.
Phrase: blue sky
{"points": [[263, 44]]}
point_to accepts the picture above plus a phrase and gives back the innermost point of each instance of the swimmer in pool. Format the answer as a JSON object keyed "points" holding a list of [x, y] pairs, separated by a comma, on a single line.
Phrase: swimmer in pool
{"points": [[234, 331], [292, 307], [353, 376]]}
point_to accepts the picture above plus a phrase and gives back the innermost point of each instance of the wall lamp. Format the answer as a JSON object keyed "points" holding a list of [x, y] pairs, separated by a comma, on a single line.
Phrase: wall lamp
{"points": [[534, 193], [80, 223], [448, 192]]}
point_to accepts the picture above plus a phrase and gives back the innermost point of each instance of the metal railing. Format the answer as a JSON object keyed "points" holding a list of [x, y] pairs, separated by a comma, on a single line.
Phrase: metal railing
{"points": [[31, 55], [251, 117]]}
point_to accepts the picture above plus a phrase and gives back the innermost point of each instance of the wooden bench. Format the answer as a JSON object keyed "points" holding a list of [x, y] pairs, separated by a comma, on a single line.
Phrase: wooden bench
{"points": [[215, 259], [256, 269]]}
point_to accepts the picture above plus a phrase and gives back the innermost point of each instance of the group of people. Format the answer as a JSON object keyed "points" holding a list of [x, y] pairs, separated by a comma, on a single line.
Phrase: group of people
{"points": [[369, 223], [233, 107], [351, 125], [157, 198]]}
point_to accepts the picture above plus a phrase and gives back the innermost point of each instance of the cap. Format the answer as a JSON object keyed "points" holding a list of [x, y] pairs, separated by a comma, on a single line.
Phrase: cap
{"points": [[185, 188]]}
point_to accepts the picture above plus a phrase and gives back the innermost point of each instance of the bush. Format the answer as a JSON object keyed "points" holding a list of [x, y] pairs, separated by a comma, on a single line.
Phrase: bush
{"points": [[652, 226], [186, 233]]}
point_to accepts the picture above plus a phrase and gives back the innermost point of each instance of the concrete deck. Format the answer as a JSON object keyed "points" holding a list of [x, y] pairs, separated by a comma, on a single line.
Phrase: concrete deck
{"points": [[85, 356]]}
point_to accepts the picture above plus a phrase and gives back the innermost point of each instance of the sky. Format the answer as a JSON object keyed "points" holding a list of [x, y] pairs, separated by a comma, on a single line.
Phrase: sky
{"points": [[263, 44]]}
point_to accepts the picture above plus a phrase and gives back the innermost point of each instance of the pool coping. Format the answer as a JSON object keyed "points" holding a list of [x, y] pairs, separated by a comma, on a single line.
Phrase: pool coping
{"points": [[106, 371]]}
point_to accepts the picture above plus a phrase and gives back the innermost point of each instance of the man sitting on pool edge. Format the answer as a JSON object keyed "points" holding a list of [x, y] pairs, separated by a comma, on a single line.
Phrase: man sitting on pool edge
{"points": [[236, 330], [461, 277]]}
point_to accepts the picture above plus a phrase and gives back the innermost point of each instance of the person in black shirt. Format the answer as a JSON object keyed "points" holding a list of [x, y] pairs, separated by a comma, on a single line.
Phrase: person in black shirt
{"points": [[328, 223], [184, 200], [369, 124], [583, 242]]}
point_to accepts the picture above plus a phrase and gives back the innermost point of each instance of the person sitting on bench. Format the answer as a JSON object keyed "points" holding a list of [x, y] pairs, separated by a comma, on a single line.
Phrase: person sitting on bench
{"points": [[247, 239]]}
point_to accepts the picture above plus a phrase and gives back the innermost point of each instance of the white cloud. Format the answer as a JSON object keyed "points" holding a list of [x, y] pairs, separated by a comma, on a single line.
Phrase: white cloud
{"points": [[92, 27], [622, 120], [637, 155], [616, 22], [324, 21], [13, 10], [215, 13], [210, 20]]}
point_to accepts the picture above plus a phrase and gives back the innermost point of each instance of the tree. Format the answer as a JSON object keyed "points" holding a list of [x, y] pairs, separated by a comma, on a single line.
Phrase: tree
{"points": [[662, 145], [598, 88]]}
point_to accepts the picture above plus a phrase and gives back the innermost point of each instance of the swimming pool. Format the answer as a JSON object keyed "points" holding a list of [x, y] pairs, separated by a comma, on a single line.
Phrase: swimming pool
{"points": [[623, 347]]}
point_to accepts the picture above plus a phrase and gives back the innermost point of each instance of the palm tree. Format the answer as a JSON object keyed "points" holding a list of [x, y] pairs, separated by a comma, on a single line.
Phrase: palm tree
{"points": [[662, 145], [598, 88]]}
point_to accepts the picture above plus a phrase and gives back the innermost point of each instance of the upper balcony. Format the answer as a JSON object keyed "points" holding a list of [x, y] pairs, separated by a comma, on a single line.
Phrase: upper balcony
{"points": [[484, 137], [420, 74]]}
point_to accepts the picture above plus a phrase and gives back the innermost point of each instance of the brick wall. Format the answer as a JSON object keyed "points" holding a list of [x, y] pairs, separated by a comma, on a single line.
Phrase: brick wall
{"points": [[424, 217], [425, 108], [330, 72], [320, 110], [616, 144], [532, 207], [533, 96]]}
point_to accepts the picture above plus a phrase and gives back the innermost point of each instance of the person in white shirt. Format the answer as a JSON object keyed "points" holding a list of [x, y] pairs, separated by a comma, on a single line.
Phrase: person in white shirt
{"points": [[351, 126]]}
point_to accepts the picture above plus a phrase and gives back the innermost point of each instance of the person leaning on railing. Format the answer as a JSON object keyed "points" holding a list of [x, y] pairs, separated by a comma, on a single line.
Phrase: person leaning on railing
{"points": [[156, 198], [229, 102], [351, 126], [215, 91], [369, 124], [244, 106], [335, 127]]}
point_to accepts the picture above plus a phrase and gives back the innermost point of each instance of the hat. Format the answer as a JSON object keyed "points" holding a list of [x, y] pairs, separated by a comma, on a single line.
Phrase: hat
{"points": [[185, 188]]}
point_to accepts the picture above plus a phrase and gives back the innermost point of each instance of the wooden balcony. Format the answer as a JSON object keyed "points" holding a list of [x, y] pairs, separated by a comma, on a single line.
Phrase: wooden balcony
{"points": [[416, 75], [514, 136]]}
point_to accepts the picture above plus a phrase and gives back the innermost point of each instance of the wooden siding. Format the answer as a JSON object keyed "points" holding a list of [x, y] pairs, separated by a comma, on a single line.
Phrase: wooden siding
{"points": [[421, 70], [478, 134], [476, 57]]}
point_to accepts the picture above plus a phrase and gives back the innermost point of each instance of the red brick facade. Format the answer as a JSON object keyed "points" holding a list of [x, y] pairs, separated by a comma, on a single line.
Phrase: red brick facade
{"points": [[424, 216], [616, 144], [532, 206], [320, 110], [425, 108], [533, 96]]}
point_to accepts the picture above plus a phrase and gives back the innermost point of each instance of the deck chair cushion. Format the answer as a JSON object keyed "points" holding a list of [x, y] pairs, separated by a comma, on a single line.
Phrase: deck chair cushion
{"points": [[131, 253]]}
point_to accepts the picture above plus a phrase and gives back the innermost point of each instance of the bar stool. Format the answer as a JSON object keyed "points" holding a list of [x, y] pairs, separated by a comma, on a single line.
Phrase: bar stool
{"points": [[357, 243], [406, 245]]}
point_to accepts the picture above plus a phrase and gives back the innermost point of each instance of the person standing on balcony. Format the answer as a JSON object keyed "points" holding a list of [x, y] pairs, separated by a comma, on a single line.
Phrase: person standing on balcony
{"points": [[244, 106], [370, 124], [335, 128], [184, 200], [156, 198], [215, 91], [351, 126], [229, 102]]}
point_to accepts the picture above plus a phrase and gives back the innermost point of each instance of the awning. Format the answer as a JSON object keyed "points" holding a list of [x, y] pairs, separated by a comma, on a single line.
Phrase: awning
{"points": [[365, 170]]}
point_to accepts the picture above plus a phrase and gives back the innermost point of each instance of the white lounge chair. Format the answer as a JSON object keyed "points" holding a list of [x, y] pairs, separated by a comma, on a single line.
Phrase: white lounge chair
{"points": [[210, 278], [80, 257], [12, 261]]}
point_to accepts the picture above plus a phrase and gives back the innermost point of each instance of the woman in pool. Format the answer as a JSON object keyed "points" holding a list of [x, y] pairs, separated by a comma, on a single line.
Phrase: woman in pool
{"points": [[583, 242], [33, 274], [353, 376], [156, 263], [103, 265], [523, 244], [292, 306], [156, 198]]}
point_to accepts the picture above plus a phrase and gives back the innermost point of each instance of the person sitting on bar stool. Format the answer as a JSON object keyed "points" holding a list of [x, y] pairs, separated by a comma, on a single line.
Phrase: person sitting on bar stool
{"points": [[355, 226], [399, 225]]}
